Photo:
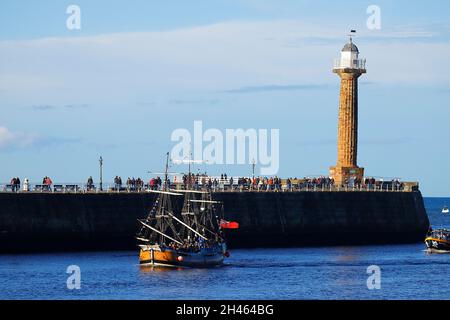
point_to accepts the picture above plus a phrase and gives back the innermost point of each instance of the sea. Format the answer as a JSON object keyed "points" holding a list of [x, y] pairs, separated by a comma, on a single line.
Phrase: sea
{"points": [[393, 272]]}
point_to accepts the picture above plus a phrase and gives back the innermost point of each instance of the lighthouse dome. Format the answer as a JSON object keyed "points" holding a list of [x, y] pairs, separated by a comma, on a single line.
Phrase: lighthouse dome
{"points": [[350, 47]]}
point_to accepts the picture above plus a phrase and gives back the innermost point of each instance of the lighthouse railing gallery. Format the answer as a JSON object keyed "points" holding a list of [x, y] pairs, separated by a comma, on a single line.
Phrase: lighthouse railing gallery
{"points": [[358, 64]]}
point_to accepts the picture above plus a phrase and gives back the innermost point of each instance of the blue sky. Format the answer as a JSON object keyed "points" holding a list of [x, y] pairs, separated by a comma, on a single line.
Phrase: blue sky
{"points": [[137, 70]]}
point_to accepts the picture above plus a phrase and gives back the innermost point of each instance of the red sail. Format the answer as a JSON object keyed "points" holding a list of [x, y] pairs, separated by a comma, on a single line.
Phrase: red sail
{"points": [[229, 225]]}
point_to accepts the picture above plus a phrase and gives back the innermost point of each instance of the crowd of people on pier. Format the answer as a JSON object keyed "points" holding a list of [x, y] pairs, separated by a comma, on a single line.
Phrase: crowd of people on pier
{"points": [[156, 183], [15, 184], [47, 181], [138, 184], [202, 181], [135, 184], [117, 183], [319, 182]]}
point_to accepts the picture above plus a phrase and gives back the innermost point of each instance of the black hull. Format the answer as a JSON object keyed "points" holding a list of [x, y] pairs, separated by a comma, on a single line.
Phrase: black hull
{"points": [[172, 258], [438, 245]]}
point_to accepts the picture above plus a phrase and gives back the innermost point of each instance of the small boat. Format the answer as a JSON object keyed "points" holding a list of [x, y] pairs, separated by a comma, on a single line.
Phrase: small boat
{"points": [[438, 240], [188, 235], [445, 210]]}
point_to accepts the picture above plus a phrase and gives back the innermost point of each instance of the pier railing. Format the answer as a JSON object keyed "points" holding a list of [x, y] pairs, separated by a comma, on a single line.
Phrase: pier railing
{"points": [[221, 186]]}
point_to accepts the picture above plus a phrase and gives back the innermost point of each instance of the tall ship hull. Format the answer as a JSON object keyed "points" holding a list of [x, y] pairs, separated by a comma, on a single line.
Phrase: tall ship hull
{"points": [[167, 257]]}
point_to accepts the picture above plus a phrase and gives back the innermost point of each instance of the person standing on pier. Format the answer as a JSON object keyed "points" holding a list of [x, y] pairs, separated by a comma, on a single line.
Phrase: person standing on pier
{"points": [[116, 183], [26, 185], [139, 184], [152, 184], [14, 184], [47, 182], [288, 184], [17, 184], [90, 184]]}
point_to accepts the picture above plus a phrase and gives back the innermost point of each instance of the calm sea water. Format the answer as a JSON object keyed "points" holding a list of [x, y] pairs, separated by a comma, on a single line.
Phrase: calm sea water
{"points": [[407, 272]]}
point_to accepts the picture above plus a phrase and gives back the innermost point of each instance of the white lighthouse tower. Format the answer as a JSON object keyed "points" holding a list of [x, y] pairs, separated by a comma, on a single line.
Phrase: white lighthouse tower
{"points": [[349, 68], [350, 58]]}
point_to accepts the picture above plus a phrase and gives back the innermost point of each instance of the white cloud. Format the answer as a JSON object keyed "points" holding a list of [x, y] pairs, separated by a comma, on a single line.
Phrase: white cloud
{"points": [[9, 139], [132, 66]]}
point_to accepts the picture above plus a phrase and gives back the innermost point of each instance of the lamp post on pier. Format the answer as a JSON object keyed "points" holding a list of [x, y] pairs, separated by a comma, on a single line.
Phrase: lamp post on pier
{"points": [[101, 173], [253, 168]]}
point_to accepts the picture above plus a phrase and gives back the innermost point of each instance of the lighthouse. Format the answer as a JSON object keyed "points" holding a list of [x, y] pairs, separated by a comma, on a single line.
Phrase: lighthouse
{"points": [[349, 67]]}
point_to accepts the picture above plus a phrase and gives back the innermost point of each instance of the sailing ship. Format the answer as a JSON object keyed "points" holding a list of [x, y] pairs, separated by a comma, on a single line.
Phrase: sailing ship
{"points": [[188, 237], [438, 240]]}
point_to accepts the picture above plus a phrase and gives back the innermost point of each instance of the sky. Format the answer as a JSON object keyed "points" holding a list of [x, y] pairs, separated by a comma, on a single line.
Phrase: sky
{"points": [[138, 70]]}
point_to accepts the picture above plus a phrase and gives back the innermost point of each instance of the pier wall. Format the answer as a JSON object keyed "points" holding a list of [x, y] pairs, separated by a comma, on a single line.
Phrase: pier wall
{"points": [[35, 222]]}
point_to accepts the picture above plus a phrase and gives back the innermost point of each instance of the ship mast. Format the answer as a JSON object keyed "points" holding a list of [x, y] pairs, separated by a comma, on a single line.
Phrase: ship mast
{"points": [[166, 172], [194, 221], [160, 217]]}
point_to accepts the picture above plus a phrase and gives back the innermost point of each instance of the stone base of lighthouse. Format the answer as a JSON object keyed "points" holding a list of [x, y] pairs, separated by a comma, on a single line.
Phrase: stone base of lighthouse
{"points": [[345, 175]]}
